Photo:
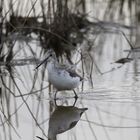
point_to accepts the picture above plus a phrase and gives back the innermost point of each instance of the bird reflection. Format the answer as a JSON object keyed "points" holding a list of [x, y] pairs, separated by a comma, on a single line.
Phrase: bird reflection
{"points": [[63, 119]]}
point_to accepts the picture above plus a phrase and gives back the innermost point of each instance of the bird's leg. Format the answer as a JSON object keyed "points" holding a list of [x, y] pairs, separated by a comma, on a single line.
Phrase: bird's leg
{"points": [[75, 101], [55, 98], [75, 94], [55, 95]]}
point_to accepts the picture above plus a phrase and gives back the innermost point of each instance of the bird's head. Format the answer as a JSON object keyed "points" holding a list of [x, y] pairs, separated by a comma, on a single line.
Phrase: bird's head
{"points": [[50, 57]]}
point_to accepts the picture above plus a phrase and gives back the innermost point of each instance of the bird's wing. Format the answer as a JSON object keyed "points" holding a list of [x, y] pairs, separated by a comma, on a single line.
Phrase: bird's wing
{"points": [[70, 69]]}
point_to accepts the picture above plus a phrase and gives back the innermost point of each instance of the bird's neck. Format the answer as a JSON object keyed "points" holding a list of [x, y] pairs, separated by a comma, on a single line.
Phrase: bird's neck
{"points": [[51, 65], [51, 136], [54, 138]]}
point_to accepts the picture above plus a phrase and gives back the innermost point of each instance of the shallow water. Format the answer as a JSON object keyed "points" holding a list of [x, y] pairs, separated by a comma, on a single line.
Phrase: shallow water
{"points": [[112, 99]]}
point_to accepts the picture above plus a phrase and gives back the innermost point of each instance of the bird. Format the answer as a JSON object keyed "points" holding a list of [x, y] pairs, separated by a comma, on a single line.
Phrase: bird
{"points": [[60, 76], [63, 119]]}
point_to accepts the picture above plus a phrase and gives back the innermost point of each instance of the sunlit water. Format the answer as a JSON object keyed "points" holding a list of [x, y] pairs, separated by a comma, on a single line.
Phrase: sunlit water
{"points": [[112, 101]]}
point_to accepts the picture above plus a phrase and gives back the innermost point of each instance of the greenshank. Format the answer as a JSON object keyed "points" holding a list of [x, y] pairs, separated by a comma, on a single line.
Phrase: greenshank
{"points": [[61, 77]]}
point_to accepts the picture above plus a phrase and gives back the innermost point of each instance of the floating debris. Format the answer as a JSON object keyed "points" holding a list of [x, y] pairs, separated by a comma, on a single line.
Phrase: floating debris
{"points": [[124, 60]]}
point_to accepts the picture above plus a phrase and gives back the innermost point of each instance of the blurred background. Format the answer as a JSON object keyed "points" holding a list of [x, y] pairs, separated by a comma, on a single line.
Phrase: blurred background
{"points": [[101, 39]]}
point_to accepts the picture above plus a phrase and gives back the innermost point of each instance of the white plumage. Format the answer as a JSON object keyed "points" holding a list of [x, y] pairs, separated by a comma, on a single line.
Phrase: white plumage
{"points": [[61, 77]]}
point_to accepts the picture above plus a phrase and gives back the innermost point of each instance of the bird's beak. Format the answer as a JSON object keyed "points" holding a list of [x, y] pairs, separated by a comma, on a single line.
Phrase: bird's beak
{"points": [[42, 62], [83, 110]]}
